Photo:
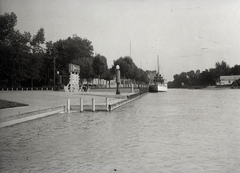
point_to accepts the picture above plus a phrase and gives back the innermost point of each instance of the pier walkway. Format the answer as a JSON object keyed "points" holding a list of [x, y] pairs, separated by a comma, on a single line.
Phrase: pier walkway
{"points": [[44, 103]]}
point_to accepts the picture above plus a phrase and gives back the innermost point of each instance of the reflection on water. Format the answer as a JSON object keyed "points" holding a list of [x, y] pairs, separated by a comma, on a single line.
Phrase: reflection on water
{"points": [[177, 131]]}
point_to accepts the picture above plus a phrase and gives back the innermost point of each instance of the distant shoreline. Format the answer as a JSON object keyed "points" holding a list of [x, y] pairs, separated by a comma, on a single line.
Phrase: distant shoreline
{"points": [[215, 87]]}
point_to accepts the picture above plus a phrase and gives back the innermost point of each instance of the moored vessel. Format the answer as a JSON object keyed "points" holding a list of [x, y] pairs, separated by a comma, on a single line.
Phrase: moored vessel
{"points": [[159, 83]]}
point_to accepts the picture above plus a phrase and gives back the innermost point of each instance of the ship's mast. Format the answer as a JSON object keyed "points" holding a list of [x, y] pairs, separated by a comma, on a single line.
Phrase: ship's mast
{"points": [[158, 64]]}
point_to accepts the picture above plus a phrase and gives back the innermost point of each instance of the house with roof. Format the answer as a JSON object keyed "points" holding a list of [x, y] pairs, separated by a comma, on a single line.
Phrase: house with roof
{"points": [[228, 80]]}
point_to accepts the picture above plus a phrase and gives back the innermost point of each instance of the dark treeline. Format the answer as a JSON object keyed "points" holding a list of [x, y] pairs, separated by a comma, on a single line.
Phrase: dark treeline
{"points": [[28, 61], [205, 78]]}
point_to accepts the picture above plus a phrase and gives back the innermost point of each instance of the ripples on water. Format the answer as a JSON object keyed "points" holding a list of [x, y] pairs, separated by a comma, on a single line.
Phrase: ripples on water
{"points": [[177, 131]]}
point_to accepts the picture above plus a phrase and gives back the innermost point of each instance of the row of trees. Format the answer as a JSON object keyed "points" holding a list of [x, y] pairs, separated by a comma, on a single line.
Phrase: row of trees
{"points": [[28, 60], [130, 71], [205, 78], [21, 54]]}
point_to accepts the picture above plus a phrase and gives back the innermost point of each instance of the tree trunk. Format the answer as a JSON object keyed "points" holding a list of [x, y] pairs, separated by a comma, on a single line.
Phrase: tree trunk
{"points": [[98, 79], [32, 82], [48, 81], [19, 84], [12, 81]]}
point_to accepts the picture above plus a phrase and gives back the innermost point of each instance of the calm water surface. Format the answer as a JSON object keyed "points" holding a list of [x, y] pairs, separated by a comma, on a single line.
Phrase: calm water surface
{"points": [[177, 131]]}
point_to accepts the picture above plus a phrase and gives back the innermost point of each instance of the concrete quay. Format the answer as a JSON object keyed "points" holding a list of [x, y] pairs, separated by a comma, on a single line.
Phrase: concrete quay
{"points": [[44, 103]]}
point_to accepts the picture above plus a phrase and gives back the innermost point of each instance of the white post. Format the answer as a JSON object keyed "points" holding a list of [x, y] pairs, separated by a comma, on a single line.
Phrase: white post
{"points": [[93, 104], [132, 89], [68, 105], [81, 105], [107, 104]]}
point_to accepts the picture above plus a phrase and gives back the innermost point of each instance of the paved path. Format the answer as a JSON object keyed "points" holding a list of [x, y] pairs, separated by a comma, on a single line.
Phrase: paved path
{"points": [[46, 99]]}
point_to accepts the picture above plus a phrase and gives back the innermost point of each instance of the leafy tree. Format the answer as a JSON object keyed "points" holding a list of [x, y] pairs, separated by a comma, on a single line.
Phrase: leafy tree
{"points": [[138, 75], [35, 65], [18, 51], [180, 80], [130, 66], [7, 24], [37, 40], [206, 78], [222, 68], [108, 76], [48, 63], [36, 58], [144, 79], [99, 65], [127, 67], [14, 51], [192, 77], [235, 70], [129, 70], [70, 50], [86, 70]]}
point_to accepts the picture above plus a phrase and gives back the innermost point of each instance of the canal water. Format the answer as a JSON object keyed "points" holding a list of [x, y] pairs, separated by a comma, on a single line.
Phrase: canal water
{"points": [[177, 131]]}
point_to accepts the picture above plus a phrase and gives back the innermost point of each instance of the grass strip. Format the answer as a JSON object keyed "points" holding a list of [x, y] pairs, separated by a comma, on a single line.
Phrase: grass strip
{"points": [[9, 104]]}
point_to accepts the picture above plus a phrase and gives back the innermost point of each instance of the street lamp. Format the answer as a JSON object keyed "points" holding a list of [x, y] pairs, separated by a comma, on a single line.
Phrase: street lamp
{"points": [[117, 78], [54, 66], [58, 80], [57, 77]]}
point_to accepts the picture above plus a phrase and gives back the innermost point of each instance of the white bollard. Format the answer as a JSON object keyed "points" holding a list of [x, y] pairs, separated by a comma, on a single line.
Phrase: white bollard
{"points": [[81, 105], [107, 104], [93, 104], [68, 105]]}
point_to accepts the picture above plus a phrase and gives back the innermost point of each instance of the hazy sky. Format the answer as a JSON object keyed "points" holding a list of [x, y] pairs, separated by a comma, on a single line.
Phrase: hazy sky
{"points": [[186, 34]]}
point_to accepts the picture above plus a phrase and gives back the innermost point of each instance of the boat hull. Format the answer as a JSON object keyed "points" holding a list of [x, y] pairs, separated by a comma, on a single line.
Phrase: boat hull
{"points": [[158, 88]]}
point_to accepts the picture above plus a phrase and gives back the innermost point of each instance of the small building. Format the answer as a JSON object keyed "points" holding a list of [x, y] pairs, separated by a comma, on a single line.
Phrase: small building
{"points": [[228, 80]]}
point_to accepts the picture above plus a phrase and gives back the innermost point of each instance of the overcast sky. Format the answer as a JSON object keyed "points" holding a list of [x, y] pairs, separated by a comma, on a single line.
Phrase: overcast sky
{"points": [[186, 34]]}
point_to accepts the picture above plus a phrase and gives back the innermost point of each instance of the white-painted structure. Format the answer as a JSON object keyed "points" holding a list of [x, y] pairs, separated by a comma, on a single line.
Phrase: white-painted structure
{"points": [[73, 85], [228, 80]]}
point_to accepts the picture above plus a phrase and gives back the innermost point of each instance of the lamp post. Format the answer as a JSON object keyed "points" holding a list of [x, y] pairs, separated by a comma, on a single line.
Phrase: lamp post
{"points": [[117, 78], [54, 71], [57, 77], [58, 81]]}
